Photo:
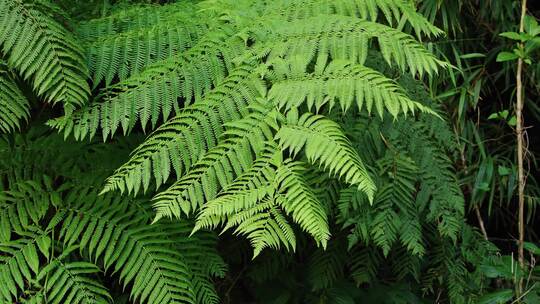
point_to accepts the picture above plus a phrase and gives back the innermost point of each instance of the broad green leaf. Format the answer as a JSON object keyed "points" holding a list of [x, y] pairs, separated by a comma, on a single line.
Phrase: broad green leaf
{"points": [[506, 56]]}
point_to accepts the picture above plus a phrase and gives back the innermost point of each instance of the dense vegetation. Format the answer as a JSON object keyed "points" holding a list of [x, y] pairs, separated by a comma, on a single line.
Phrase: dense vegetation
{"points": [[253, 151]]}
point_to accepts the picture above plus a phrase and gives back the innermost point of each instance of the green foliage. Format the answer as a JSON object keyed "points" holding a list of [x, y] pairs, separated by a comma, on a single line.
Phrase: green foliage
{"points": [[60, 240], [14, 106], [38, 46], [302, 130]]}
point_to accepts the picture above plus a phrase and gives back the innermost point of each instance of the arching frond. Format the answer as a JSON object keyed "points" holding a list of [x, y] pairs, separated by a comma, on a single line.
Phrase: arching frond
{"points": [[202, 122], [14, 107], [70, 282], [346, 85], [118, 47], [42, 50], [246, 190], [393, 10], [301, 203], [20, 263], [23, 206], [250, 205], [242, 141], [116, 233], [325, 144], [325, 267], [342, 37], [155, 92]]}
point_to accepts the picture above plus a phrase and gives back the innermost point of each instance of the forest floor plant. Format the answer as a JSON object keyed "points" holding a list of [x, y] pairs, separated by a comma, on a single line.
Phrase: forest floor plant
{"points": [[301, 130]]}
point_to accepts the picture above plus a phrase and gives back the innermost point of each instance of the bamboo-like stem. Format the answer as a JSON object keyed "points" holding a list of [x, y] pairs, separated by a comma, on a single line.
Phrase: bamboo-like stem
{"points": [[520, 150]]}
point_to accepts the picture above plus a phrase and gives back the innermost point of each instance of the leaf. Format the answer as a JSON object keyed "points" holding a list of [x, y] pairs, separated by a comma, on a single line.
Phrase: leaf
{"points": [[502, 170], [472, 55], [506, 56], [532, 248], [531, 25], [512, 121], [498, 297], [513, 36]]}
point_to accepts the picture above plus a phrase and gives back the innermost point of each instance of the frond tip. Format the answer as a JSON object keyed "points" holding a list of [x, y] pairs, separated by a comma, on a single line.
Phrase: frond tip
{"points": [[325, 144]]}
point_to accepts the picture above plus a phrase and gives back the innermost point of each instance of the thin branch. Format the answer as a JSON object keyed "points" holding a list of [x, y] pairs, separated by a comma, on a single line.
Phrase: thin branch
{"points": [[520, 150]]}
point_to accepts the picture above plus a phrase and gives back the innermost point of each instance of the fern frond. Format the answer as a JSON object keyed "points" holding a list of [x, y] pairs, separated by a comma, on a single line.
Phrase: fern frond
{"points": [[20, 263], [439, 181], [40, 48], [394, 11], [133, 17], [365, 264], [346, 84], [119, 235], [342, 37], [155, 92], [201, 256], [202, 122], [300, 201], [125, 53], [246, 190], [249, 204], [325, 267], [324, 143], [23, 206], [14, 107], [69, 282], [235, 153]]}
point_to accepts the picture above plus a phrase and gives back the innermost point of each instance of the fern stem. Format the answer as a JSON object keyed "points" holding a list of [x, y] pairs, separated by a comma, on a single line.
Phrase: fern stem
{"points": [[520, 150]]}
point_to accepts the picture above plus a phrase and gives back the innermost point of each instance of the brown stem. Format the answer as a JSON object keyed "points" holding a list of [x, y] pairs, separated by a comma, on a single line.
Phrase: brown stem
{"points": [[481, 222], [520, 150]]}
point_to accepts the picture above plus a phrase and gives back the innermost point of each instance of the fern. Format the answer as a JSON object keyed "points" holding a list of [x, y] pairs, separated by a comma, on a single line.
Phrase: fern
{"points": [[20, 263], [187, 76], [218, 167], [24, 206], [158, 274], [344, 83], [42, 50], [14, 106], [326, 144], [125, 42], [300, 127], [201, 121], [69, 283]]}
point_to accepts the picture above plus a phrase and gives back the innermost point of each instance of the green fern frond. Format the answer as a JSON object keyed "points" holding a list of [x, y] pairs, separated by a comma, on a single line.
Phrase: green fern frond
{"points": [[325, 144], [118, 234], [346, 84], [23, 206], [70, 282], [365, 264], [128, 18], [394, 11], [246, 190], [121, 48], [301, 203], [343, 37], [201, 256], [14, 106], [40, 48], [201, 122], [439, 181], [20, 263], [251, 205], [327, 266], [155, 92], [235, 153]]}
